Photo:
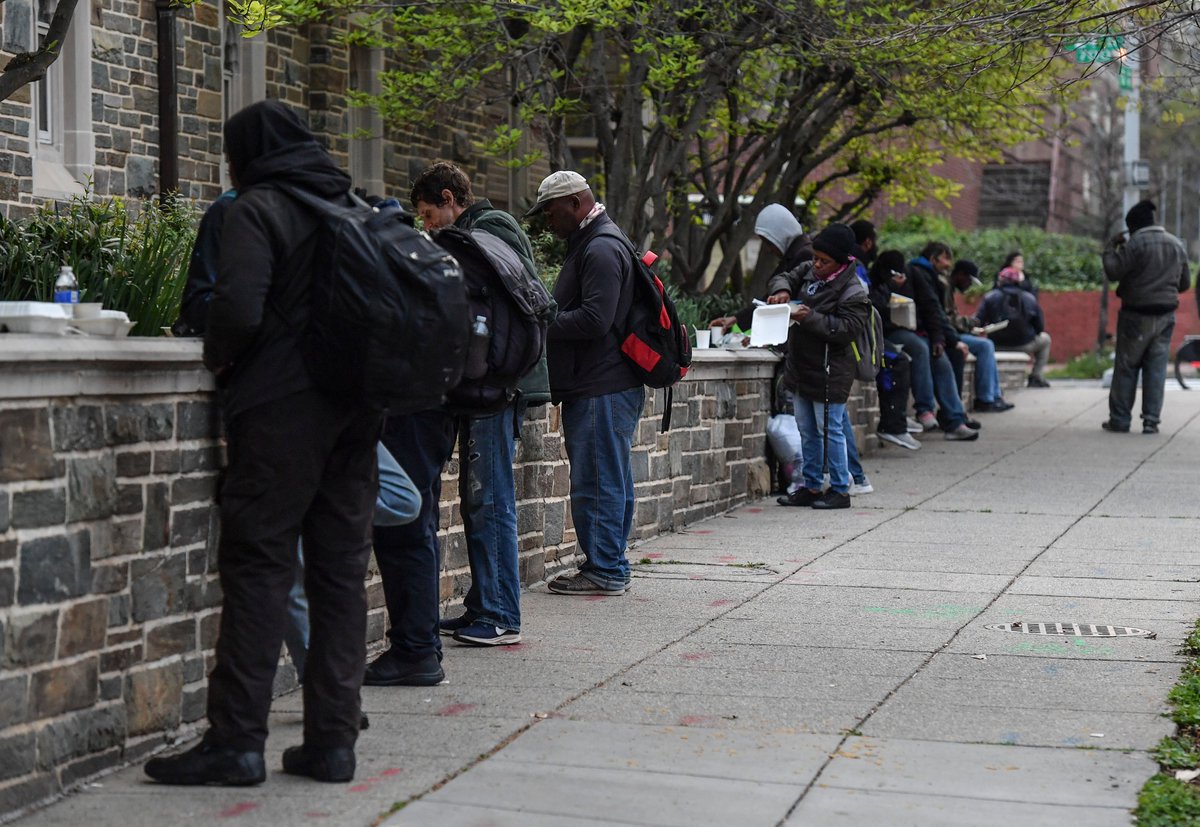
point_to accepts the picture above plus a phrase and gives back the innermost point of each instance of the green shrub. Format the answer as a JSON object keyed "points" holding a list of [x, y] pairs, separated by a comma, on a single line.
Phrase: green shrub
{"points": [[1166, 802], [1055, 262], [1090, 365], [135, 262]]}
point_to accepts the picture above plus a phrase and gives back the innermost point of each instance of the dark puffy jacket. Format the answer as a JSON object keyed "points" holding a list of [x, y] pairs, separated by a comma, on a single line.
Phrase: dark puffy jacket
{"points": [[202, 269], [259, 306], [594, 292], [825, 334], [920, 286], [535, 386], [1150, 270]]}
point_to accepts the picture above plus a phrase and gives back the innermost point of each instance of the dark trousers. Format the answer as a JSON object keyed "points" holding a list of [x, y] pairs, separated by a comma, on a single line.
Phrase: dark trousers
{"points": [[408, 555], [299, 466], [893, 383]]}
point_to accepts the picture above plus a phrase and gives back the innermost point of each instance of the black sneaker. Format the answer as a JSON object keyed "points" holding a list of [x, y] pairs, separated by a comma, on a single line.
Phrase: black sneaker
{"points": [[802, 497], [485, 634], [973, 424], [832, 499], [1037, 382], [335, 765], [1113, 427], [1149, 428], [389, 670], [448, 626], [999, 406], [206, 763]]}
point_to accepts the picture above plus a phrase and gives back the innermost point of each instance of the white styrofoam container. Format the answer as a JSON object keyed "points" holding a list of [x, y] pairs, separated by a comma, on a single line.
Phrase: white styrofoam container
{"points": [[903, 311], [33, 317]]}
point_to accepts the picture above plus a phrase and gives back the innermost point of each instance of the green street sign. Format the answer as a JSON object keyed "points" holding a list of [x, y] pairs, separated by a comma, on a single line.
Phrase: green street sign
{"points": [[1098, 50], [1125, 78]]}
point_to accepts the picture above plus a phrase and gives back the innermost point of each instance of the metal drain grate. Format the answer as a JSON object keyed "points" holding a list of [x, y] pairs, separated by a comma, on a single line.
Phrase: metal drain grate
{"points": [[1038, 627]]}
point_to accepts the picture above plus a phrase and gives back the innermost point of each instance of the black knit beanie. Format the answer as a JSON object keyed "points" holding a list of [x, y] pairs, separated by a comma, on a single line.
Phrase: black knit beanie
{"points": [[1140, 215], [836, 241]]}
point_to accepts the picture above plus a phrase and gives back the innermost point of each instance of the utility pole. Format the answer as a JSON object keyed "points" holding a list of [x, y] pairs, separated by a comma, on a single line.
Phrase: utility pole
{"points": [[1136, 170]]}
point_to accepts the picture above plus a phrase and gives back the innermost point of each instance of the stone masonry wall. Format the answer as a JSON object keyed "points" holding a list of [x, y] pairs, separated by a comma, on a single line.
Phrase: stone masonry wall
{"points": [[109, 599]]}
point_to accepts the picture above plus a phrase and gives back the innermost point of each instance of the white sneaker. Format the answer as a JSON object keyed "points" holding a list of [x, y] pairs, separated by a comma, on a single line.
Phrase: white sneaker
{"points": [[903, 440], [864, 488], [914, 427]]}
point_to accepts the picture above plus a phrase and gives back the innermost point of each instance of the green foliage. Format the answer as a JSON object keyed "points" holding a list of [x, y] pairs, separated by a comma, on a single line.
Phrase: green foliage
{"points": [[1185, 699], [697, 311], [1167, 802], [1055, 262], [131, 262], [1090, 365], [1177, 753]]}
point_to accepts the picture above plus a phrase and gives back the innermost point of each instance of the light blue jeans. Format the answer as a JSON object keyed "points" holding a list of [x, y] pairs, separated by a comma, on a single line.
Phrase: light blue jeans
{"points": [[853, 463], [295, 637], [931, 378], [810, 419], [987, 377], [489, 510], [598, 432]]}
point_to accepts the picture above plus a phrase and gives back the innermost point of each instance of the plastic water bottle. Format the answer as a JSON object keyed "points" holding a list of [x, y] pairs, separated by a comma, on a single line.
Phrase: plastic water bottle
{"points": [[66, 288], [477, 350]]}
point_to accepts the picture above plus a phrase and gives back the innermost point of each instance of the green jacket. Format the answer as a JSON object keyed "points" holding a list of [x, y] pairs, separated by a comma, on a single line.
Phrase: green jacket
{"points": [[535, 387]]}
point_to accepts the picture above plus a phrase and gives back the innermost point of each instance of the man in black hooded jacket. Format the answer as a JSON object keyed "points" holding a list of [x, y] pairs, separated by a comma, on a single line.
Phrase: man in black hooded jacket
{"points": [[300, 463]]}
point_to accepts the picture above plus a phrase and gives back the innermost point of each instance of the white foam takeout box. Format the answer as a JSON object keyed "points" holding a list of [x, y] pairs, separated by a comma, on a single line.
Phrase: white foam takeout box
{"points": [[48, 318]]}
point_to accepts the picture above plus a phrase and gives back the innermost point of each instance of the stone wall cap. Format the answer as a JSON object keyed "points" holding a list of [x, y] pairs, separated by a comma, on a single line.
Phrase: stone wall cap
{"points": [[721, 355], [22, 349]]}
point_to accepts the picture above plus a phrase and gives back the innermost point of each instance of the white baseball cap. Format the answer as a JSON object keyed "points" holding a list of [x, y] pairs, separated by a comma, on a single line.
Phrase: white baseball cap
{"points": [[556, 185]]}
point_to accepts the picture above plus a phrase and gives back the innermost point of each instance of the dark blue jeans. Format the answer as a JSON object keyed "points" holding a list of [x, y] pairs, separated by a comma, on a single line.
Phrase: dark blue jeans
{"points": [[1143, 344], [489, 509], [931, 378], [408, 555], [598, 433]]}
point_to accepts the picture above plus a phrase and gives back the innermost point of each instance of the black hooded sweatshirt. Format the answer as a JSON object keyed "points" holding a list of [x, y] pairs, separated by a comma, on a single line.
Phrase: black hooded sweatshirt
{"points": [[260, 301]]}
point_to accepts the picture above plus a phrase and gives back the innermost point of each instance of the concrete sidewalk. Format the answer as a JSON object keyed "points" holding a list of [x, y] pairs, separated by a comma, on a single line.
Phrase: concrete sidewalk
{"points": [[782, 666]]}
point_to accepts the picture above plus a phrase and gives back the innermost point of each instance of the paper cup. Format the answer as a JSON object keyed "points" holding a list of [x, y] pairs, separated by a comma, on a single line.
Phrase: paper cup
{"points": [[703, 339]]}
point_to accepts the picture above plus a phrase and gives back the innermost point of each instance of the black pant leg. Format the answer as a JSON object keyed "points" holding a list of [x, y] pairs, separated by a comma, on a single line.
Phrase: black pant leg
{"points": [[277, 456], [337, 549], [408, 556]]}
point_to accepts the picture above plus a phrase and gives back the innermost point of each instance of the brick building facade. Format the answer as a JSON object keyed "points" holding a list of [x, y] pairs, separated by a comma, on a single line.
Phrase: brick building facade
{"points": [[96, 116]]}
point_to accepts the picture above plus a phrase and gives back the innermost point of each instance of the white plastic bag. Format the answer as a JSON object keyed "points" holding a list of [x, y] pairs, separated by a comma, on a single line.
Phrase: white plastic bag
{"points": [[784, 438]]}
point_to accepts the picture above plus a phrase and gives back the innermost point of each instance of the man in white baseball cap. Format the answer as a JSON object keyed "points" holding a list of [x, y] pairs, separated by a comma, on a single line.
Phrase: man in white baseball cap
{"points": [[601, 398], [556, 185]]}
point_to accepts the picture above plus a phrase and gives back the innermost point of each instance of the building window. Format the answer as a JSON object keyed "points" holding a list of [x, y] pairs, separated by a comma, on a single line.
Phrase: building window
{"points": [[63, 146], [1015, 194]]}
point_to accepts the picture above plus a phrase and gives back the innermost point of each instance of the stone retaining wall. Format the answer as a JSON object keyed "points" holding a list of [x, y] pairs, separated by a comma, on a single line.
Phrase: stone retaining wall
{"points": [[109, 598]]}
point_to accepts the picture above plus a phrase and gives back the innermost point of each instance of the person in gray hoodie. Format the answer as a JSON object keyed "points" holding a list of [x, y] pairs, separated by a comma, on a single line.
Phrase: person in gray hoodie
{"points": [[1150, 270]]}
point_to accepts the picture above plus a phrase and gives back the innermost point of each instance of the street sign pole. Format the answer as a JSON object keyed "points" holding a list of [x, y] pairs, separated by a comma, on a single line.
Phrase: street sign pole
{"points": [[1133, 124]]}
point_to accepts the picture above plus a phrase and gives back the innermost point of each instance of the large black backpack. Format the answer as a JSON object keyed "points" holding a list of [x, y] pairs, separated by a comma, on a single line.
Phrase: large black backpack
{"points": [[654, 342], [514, 306], [388, 316]]}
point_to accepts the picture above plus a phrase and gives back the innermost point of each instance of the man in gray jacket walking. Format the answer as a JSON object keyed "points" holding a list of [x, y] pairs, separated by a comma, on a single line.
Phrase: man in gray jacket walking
{"points": [[1150, 270]]}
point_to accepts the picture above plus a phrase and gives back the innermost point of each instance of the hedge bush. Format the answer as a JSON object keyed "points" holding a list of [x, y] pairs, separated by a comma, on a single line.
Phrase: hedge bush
{"points": [[1055, 262]]}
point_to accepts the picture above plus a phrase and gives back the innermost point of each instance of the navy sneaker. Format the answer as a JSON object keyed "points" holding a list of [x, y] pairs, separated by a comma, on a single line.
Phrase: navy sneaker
{"points": [[485, 634], [449, 625]]}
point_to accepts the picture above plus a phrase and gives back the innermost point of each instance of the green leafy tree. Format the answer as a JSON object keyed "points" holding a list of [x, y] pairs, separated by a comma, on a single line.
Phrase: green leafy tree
{"points": [[696, 102]]}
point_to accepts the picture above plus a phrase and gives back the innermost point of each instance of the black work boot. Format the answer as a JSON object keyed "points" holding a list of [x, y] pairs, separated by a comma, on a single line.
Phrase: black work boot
{"points": [[206, 763]]}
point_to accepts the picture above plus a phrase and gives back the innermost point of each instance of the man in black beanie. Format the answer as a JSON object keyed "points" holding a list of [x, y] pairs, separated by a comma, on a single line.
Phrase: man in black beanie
{"points": [[1150, 270]]}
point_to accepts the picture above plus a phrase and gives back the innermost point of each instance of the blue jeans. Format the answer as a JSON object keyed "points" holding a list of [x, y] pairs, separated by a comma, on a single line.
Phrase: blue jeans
{"points": [[1143, 343], [853, 463], [810, 419], [987, 377], [488, 493], [931, 378], [409, 557], [598, 432]]}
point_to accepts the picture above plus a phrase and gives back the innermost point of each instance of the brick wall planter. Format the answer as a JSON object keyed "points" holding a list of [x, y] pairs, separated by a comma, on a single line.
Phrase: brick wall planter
{"points": [[109, 597]]}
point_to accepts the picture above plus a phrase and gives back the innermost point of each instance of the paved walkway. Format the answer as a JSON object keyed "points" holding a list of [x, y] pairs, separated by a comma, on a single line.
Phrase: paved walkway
{"points": [[789, 667]]}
